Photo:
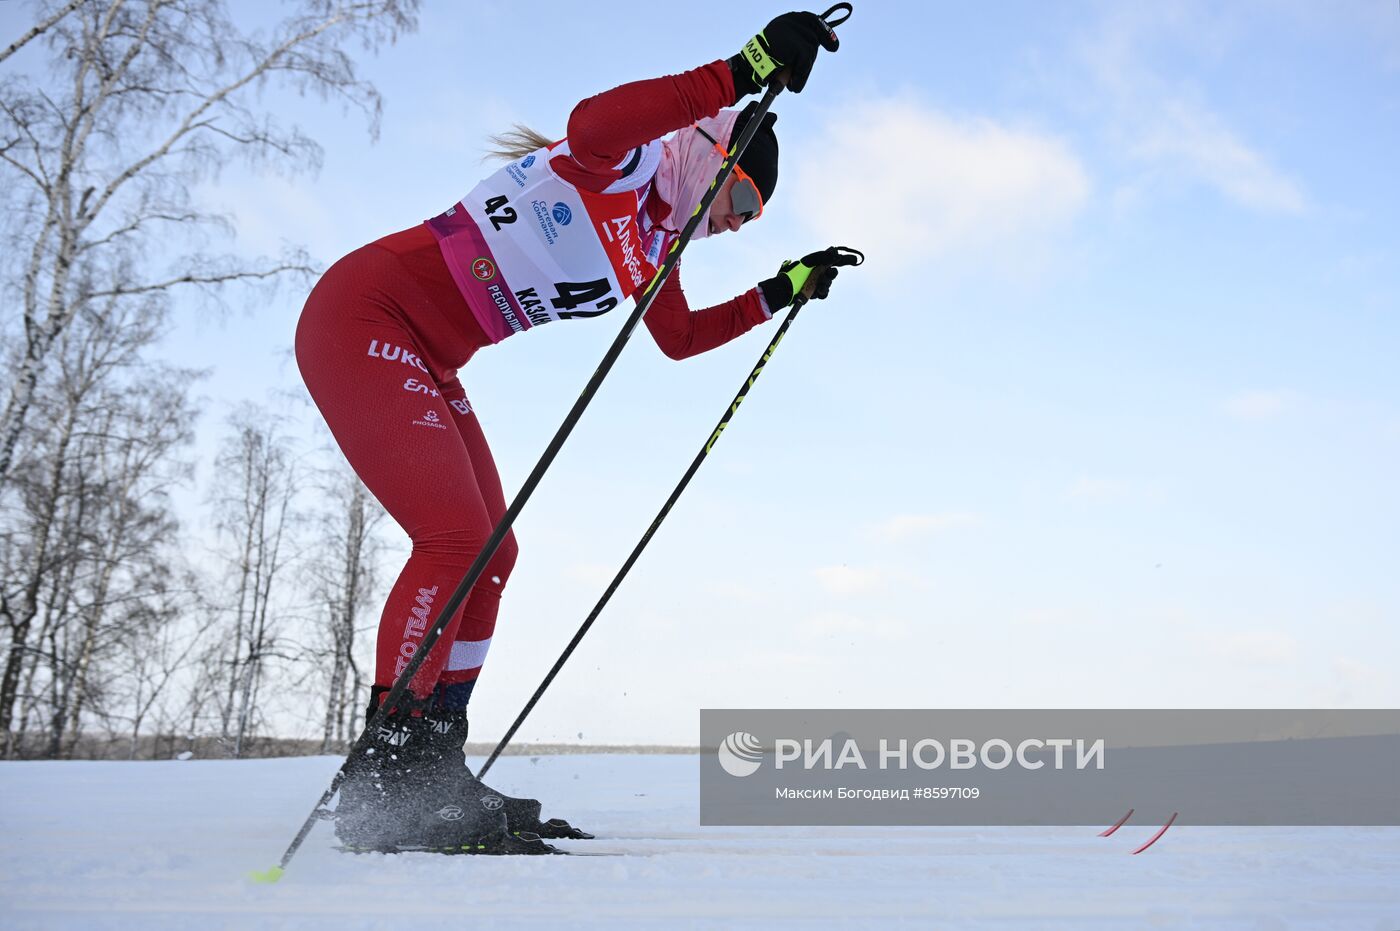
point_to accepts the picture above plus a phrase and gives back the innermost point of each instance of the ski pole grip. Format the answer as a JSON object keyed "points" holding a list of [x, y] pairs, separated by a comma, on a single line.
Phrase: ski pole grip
{"points": [[827, 17]]}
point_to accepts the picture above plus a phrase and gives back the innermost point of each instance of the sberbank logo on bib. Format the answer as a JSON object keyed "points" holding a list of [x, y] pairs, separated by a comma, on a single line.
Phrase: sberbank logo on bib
{"points": [[562, 214]]}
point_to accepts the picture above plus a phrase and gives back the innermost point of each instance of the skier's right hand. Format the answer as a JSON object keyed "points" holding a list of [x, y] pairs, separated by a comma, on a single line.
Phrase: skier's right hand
{"points": [[789, 43]]}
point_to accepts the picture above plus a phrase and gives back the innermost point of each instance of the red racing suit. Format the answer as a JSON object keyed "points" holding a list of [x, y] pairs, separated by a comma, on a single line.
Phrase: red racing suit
{"points": [[386, 329]]}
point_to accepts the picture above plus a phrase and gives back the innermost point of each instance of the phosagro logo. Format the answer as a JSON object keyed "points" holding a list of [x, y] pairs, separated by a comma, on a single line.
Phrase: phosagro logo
{"points": [[740, 754]]}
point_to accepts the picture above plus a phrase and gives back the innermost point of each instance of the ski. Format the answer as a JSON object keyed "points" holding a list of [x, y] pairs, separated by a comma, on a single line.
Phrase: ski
{"points": [[550, 829], [482, 850], [559, 829]]}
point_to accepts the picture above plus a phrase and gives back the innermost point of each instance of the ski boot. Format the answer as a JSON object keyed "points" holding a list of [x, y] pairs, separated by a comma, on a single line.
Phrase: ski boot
{"points": [[402, 795], [448, 732]]}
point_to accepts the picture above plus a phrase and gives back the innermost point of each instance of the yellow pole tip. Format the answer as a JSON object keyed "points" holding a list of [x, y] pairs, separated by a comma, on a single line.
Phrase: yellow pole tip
{"points": [[266, 877]]}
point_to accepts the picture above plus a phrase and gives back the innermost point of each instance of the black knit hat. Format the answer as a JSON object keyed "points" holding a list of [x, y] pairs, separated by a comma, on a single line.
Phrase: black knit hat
{"points": [[760, 159]]}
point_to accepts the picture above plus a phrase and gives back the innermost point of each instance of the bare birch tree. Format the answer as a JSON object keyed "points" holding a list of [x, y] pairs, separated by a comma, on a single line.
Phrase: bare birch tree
{"points": [[146, 98], [157, 639], [256, 478], [346, 552], [92, 526], [132, 553]]}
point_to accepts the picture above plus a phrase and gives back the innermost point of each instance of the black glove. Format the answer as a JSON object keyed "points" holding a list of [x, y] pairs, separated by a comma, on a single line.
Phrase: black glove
{"points": [[790, 41], [816, 269]]}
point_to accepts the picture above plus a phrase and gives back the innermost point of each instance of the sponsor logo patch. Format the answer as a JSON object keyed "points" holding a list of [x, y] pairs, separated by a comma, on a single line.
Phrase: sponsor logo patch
{"points": [[414, 384], [430, 418], [546, 217], [416, 625], [389, 352]]}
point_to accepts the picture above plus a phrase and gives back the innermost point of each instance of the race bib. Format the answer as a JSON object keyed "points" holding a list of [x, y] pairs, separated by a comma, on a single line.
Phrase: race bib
{"points": [[526, 247]]}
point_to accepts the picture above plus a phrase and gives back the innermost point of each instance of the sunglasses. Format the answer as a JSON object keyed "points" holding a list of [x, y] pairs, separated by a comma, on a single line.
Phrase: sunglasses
{"points": [[744, 195]]}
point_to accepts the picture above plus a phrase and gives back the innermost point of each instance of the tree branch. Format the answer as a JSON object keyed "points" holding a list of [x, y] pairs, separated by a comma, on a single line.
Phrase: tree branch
{"points": [[87, 113], [194, 117], [40, 28], [136, 224], [202, 280], [22, 123]]}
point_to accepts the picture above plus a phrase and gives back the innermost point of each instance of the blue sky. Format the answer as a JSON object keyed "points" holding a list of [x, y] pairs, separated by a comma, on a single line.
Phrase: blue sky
{"points": [[1111, 417]]}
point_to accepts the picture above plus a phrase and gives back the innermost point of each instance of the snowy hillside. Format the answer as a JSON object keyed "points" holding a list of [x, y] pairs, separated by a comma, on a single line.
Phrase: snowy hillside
{"points": [[166, 845]]}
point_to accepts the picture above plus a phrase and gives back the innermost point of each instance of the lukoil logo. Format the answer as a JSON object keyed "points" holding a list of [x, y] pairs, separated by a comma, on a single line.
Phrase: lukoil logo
{"points": [[740, 754], [561, 213]]}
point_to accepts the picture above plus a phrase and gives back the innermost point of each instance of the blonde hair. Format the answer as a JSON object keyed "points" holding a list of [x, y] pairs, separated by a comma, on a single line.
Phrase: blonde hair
{"points": [[516, 142]]}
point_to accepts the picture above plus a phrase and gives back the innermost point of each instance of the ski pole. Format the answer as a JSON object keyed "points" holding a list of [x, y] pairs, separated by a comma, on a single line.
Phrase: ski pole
{"points": [[488, 550], [651, 531]]}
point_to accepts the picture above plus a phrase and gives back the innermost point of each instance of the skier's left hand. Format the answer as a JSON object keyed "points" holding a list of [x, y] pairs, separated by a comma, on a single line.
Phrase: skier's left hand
{"points": [[811, 277]]}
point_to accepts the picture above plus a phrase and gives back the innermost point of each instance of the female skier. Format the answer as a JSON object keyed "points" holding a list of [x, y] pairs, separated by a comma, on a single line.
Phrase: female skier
{"points": [[566, 229]]}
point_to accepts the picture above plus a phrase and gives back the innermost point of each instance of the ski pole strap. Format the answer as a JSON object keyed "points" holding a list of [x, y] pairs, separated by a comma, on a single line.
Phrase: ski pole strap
{"points": [[829, 16]]}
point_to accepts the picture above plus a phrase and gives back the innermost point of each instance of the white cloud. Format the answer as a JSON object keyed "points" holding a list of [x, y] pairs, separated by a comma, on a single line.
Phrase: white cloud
{"points": [[848, 580], [908, 184], [1055, 618], [863, 626], [1100, 489], [1186, 137], [1360, 684], [902, 527], [1161, 121], [1256, 405], [1252, 648]]}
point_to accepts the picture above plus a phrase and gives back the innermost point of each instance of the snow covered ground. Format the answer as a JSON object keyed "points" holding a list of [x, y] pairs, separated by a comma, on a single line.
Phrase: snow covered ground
{"points": [[166, 845]]}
